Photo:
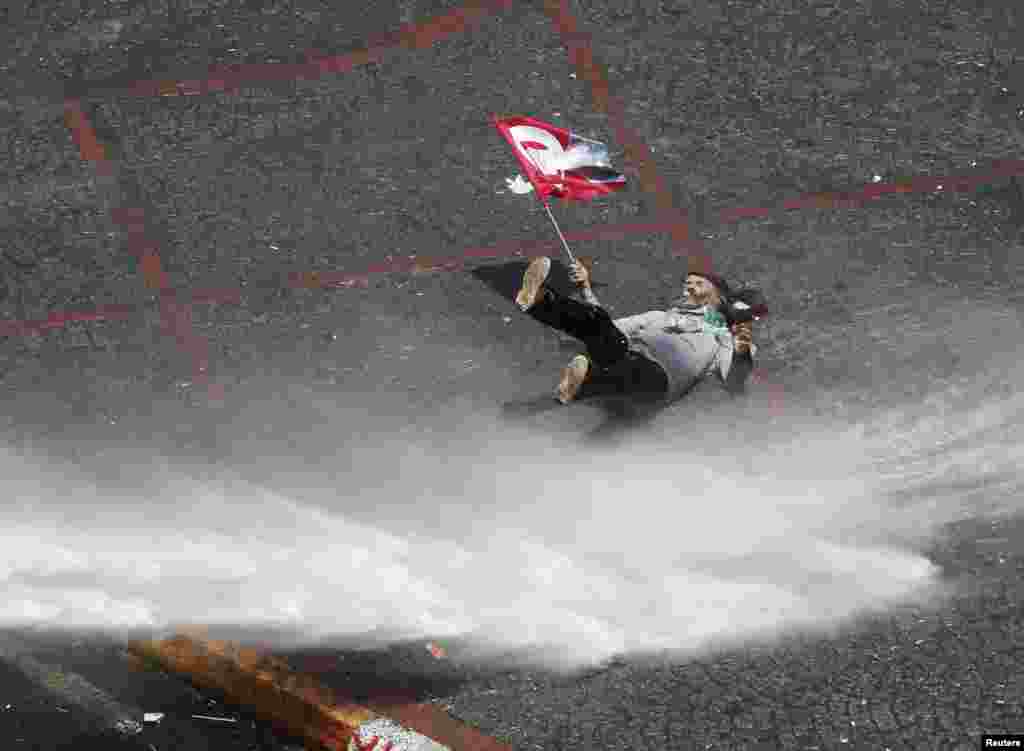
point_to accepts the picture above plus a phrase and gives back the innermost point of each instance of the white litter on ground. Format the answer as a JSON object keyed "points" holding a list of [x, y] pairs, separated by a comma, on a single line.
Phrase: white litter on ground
{"points": [[383, 734], [518, 185]]}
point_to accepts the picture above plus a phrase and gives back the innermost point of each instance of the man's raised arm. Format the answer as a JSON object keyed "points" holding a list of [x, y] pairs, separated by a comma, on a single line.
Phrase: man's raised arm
{"points": [[742, 364]]}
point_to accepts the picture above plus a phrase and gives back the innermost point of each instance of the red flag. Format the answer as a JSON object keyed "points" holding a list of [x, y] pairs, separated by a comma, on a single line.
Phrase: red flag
{"points": [[558, 162]]}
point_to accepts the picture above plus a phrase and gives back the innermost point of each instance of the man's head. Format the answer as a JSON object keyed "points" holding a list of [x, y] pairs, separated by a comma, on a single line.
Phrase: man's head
{"points": [[704, 290]]}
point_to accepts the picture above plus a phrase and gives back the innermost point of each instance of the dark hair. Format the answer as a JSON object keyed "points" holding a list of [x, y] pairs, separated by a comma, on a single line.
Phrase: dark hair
{"points": [[744, 304]]}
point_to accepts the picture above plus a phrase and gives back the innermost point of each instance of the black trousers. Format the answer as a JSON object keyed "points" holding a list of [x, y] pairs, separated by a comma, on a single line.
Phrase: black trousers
{"points": [[615, 368]]}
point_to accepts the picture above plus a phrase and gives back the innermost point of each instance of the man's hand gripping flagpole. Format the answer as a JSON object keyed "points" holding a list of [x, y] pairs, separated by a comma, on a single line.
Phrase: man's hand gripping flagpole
{"points": [[560, 163]]}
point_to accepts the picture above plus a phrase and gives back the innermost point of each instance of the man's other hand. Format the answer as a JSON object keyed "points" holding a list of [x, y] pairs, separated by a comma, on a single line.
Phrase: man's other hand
{"points": [[742, 336]]}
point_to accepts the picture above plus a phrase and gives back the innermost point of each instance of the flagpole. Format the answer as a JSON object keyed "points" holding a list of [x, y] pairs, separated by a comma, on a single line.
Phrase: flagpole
{"points": [[559, 231]]}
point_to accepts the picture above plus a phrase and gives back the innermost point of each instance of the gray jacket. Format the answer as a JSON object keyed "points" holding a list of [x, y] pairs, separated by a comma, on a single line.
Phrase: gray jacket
{"points": [[688, 343]]}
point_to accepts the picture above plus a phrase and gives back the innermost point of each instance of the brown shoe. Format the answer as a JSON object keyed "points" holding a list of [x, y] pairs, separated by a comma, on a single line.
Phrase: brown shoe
{"points": [[574, 375], [533, 280]]}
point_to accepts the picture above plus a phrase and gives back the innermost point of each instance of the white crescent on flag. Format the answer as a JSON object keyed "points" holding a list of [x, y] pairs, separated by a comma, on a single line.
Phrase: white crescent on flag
{"points": [[540, 147]]}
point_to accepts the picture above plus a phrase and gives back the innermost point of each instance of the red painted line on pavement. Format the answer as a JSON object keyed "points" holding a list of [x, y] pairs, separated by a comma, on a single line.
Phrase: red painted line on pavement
{"points": [[874, 191], [147, 251], [229, 78], [60, 319], [422, 35], [637, 152], [176, 317], [511, 249], [218, 296], [421, 264], [82, 133], [908, 185]]}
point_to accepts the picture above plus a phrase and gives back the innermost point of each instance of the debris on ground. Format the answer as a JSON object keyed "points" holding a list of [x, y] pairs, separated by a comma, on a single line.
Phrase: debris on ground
{"points": [[213, 719], [262, 682]]}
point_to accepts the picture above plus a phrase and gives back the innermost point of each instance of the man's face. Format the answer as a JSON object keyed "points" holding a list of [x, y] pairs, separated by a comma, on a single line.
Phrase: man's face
{"points": [[699, 291]]}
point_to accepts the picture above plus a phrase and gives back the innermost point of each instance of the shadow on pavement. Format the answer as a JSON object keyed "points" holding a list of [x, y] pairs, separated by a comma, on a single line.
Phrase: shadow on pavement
{"points": [[523, 408], [623, 417], [505, 278]]}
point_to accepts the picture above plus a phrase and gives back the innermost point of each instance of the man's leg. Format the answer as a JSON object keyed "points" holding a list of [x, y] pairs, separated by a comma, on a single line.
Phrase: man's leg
{"points": [[608, 353], [574, 376], [589, 323], [634, 375], [606, 345]]}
